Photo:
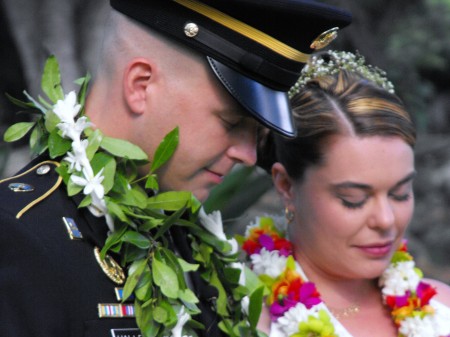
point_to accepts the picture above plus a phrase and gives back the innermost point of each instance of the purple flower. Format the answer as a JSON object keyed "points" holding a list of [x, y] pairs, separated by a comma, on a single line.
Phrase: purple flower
{"points": [[309, 295], [267, 242]]}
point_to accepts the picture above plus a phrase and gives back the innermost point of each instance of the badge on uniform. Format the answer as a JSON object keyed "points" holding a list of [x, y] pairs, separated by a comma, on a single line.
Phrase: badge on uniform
{"points": [[20, 187], [119, 295], [110, 267], [72, 229]]}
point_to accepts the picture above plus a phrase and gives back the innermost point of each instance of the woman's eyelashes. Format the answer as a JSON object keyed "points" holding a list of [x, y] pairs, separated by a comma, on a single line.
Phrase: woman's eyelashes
{"points": [[353, 202]]}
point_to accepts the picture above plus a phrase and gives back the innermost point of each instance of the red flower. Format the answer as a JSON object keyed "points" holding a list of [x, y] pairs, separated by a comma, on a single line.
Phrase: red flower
{"points": [[425, 292], [251, 247]]}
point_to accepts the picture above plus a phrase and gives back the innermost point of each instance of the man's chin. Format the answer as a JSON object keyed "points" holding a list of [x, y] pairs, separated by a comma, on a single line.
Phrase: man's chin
{"points": [[202, 195]]}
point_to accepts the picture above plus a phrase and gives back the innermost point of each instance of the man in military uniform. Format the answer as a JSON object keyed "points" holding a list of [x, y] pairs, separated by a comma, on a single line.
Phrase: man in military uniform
{"points": [[214, 68]]}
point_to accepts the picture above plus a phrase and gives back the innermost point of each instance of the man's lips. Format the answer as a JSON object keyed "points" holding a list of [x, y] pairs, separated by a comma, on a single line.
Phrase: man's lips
{"points": [[215, 176]]}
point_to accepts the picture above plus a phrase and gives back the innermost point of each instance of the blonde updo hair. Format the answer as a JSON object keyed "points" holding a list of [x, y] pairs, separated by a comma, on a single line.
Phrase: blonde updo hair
{"points": [[344, 103]]}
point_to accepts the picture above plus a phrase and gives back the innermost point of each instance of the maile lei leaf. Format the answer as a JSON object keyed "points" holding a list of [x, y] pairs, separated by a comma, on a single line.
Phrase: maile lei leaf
{"points": [[107, 171]]}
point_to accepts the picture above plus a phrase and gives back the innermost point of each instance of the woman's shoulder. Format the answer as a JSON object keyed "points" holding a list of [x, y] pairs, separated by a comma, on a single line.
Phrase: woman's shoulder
{"points": [[443, 291]]}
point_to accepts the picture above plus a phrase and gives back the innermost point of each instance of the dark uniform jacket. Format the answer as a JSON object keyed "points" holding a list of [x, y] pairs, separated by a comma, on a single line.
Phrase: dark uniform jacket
{"points": [[52, 285]]}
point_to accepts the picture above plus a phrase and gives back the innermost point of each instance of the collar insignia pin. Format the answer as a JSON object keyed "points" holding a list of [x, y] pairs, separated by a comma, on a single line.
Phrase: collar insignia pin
{"points": [[72, 229], [20, 187]]}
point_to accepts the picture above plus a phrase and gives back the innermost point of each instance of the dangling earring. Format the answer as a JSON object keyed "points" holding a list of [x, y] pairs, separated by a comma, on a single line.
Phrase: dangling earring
{"points": [[289, 215]]}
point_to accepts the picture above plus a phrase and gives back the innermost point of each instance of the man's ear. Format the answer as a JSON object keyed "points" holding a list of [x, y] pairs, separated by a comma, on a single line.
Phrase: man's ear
{"points": [[136, 79], [283, 184]]}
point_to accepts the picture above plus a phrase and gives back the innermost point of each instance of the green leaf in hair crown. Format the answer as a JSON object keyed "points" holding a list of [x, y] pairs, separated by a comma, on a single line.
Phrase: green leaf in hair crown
{"points": [[332, 61]]}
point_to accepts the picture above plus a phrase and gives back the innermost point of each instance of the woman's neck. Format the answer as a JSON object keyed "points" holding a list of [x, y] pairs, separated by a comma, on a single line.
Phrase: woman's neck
{"points": [[337, 290]]}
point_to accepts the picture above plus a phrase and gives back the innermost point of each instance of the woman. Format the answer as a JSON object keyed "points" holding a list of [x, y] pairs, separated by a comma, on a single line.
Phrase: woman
{"points": [[347, 184]]}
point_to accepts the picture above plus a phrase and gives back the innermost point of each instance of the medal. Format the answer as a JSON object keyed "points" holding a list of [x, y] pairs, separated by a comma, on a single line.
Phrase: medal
{"points": [[110, 267]]}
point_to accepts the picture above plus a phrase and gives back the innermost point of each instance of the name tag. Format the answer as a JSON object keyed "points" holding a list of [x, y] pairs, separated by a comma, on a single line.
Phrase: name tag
{"points": [[132, 332]]}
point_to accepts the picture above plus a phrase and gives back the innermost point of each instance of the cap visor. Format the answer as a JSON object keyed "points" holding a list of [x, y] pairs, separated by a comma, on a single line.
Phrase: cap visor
{"points": [[268, 106]]}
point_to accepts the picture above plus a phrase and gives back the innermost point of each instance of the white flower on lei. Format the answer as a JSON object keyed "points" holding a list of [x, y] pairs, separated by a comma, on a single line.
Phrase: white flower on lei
{"points": [[287, 325], [418, 327], [77, 158], [183, 317], [213, 223], [252, 225], [245, 304], [98, 209], [68, 108], [241, 267], [440, 319], [399, 278], [269, 263], [74, 130], [92, 184]]}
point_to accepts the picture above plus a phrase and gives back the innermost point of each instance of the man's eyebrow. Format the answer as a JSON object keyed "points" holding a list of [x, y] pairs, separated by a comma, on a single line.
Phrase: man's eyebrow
{"points": [[350, 184]]}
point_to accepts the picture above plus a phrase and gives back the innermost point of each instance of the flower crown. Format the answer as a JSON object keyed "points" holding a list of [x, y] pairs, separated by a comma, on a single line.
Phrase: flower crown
{"points": [[331, 62]]}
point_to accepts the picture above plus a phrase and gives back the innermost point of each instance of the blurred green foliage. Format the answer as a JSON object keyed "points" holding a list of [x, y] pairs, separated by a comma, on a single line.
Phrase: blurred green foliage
{"points": [[410, 40]]}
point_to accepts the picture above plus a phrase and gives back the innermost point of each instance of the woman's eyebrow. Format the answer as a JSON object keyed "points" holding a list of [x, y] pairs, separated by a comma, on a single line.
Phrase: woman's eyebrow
{"points": [[351, 184], [405, 180]]}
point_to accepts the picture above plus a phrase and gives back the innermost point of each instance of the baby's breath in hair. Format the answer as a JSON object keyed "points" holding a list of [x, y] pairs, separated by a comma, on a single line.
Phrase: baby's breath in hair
{"points": [[332, 62]]}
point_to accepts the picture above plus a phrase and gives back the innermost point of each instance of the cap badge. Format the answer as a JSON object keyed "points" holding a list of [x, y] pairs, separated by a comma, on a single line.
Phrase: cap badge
{"points": [[110, 267], [20, 187], [191, 29], [325, 38]]}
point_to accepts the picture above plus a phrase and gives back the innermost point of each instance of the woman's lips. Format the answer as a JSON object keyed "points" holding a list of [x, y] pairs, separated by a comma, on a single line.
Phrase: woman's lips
{"points": [[377, 249]]}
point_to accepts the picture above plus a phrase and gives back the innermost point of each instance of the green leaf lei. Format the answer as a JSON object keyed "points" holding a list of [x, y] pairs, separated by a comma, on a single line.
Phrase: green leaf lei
{"points": [[105, 170]]}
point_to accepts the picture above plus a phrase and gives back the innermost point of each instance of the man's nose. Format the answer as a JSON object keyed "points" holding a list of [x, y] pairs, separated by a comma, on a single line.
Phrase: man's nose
{"points": [[243, 147]]}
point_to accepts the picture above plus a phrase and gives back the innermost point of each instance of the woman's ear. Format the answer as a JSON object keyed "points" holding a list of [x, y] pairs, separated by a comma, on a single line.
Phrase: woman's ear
{"points": [[283, 184], [136, 79]]}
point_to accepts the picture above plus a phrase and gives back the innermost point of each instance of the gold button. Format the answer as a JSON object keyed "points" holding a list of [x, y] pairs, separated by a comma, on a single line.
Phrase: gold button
{"points": [[42, 170]]}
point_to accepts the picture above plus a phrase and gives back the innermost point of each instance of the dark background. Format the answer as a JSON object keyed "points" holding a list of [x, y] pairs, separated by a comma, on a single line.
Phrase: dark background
{"points": [[409, 39]]}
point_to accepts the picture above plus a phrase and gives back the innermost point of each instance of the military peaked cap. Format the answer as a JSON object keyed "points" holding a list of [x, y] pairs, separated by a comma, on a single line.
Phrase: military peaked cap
{"points": [[256, 48]]}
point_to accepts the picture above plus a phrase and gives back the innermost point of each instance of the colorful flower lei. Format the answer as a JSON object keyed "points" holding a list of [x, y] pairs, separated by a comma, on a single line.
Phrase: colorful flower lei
{"points": [[295, 306], [104, 170]]}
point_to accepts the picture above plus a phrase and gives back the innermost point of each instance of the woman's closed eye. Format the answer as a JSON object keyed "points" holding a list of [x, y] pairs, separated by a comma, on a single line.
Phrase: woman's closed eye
{"points": [[402, 193], [353, 202]]}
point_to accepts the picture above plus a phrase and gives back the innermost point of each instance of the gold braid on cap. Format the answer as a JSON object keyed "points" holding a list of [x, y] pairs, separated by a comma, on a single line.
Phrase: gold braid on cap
{"points": [[331, 62]]}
